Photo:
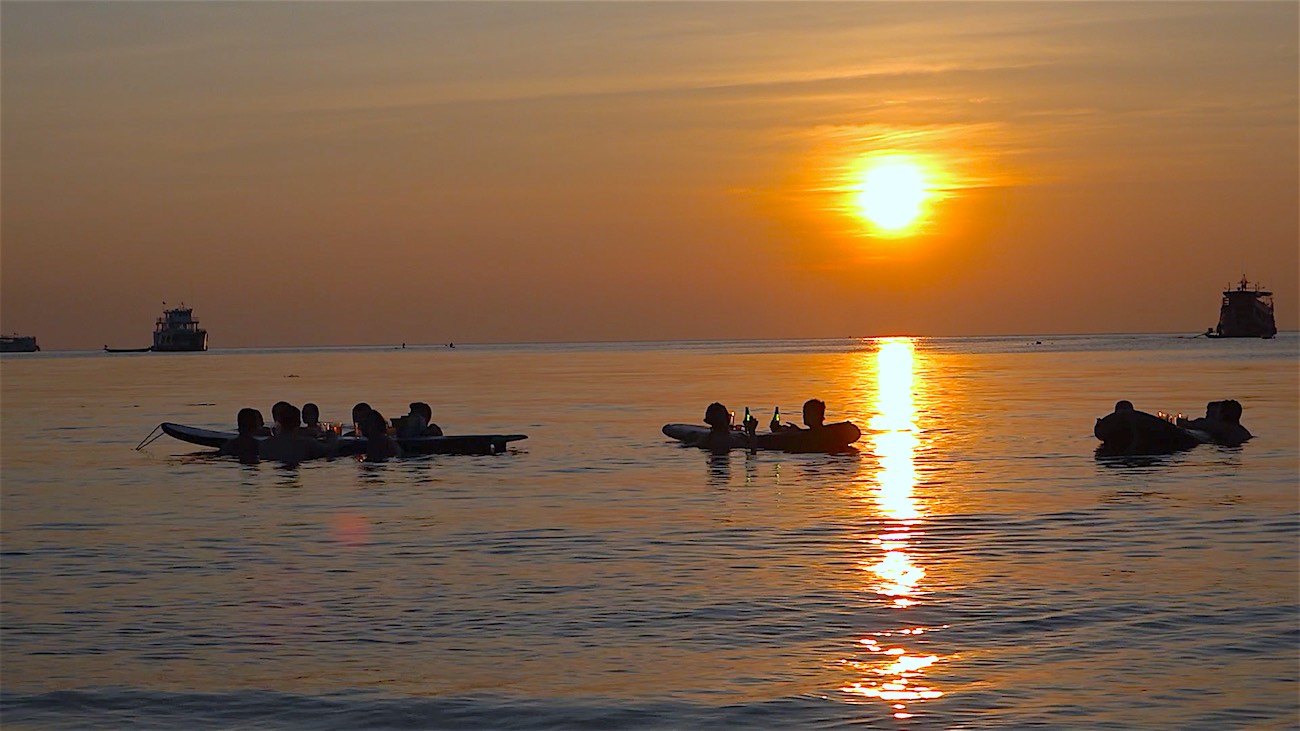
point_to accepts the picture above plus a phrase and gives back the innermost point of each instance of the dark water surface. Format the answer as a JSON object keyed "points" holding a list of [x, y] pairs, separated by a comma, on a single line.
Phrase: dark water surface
{"points": [[972, 566]]}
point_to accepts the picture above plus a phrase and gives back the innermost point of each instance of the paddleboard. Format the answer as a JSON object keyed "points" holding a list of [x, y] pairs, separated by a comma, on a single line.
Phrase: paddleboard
{"points": [[830, 438]]}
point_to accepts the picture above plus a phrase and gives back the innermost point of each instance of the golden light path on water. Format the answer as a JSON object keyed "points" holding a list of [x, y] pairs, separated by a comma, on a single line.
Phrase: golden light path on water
{"points": [[892, 672]]}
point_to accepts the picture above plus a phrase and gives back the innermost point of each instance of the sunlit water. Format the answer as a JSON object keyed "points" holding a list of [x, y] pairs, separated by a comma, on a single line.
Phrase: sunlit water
{"points": [[972, 566]]}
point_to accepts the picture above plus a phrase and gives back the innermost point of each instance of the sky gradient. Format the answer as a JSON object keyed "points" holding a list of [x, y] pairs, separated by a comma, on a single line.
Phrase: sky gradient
{"points": [[367, 173]]}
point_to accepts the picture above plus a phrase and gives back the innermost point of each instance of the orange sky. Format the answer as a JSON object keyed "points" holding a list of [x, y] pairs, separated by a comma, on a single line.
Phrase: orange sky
{"points": [[365, 173]]}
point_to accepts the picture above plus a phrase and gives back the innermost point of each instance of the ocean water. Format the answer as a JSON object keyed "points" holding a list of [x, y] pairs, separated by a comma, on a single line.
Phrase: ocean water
{"points": [[972, 565]]}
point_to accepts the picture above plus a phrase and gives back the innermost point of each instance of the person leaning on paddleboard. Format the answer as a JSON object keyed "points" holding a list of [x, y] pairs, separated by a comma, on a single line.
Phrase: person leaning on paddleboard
{"points": [[814, 417], [719, 437]]}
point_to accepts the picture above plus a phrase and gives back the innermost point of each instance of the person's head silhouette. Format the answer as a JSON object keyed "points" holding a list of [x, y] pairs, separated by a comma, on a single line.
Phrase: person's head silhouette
{"points": [[717, 416], [814, 413]]}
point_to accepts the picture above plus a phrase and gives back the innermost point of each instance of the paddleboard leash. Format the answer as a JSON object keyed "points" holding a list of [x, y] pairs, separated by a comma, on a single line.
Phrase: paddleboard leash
{"points": [[154, 436]]}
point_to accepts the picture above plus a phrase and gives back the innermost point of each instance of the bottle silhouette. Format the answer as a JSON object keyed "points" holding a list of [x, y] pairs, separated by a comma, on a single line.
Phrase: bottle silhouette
{"points": [[750, 422], [776, 419]]}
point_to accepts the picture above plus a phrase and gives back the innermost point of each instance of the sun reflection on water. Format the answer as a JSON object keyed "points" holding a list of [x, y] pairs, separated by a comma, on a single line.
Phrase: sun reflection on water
{"points": [[890, 671]]}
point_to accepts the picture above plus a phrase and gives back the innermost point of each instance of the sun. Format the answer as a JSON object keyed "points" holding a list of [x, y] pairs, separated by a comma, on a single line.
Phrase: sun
{"points": [[892, 193]]}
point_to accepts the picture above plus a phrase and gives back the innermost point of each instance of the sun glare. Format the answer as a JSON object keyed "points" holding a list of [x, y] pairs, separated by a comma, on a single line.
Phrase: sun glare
{"points": [[892, 193]]}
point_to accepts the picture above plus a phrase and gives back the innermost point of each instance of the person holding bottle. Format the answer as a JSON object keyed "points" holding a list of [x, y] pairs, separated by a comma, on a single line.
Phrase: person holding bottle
{"points": [[814, 417], [718, 438]]}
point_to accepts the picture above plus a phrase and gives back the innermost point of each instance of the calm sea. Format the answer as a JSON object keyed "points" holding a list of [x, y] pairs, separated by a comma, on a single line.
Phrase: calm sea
{"points": [[972, 566]]}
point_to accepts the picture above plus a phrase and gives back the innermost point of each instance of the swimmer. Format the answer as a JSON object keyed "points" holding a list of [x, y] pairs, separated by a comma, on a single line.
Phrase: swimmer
{"points": [[245, 445], [419, 422], [814, 417], [289, 445], [1222, 421], [311, 421], [379, 446], [358, 413], [719, 437]]}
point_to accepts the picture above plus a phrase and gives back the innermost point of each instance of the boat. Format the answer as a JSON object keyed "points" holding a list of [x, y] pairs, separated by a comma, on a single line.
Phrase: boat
{"points": [[349, 445], [178, 331], [1246, 312], [175, 332], [830, 438], [18, 344]]}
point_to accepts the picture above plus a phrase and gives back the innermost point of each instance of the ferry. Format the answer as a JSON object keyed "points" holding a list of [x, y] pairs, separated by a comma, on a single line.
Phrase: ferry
{"points": [[1246, 312], [18, 344], [175, 332], [178, 331]]}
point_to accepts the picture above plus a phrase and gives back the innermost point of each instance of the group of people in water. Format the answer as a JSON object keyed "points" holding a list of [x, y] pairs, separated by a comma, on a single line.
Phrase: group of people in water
{"points": [[297, 435], [1222, 421], [1129, 431], [721, 424]]}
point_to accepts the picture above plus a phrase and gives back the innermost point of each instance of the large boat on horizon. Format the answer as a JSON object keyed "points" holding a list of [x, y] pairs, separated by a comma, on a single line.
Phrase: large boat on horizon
{"points": [[175, 332], [178, 331], [1246, 312], [18, 344]]}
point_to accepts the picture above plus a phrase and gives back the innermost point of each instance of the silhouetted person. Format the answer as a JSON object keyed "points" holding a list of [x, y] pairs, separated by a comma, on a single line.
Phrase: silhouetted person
{"points": [[430, 429], [419, 422], [245, 445], [719, 437], [358, 413], [814, 413], [814, 416], [1222, 421], [311, 421], [277, 412], [289, 445], [379, 446]]}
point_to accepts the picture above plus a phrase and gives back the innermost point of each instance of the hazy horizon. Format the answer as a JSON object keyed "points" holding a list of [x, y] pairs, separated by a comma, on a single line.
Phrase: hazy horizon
{"points": [[352, 174], [410, 345]]}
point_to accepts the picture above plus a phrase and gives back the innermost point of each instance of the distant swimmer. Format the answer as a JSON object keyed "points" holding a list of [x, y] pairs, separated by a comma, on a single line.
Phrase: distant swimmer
{"points": [[379, 446], [245, 445], [289, 445], [1222, 422]]}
